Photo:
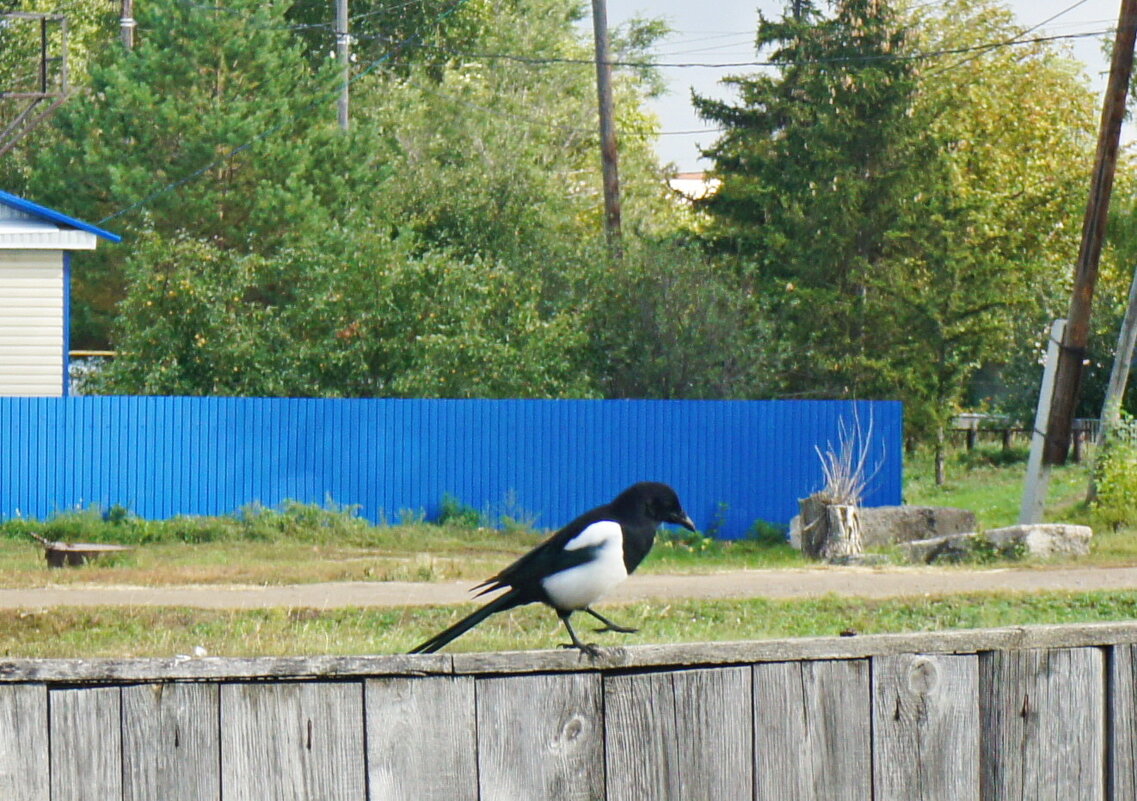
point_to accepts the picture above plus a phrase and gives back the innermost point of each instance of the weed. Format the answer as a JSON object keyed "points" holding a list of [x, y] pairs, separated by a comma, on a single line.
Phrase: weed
{"points": [[455, 513], [766, 534]]}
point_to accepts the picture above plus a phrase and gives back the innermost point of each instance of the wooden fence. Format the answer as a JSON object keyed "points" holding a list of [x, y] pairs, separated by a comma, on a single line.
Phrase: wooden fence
{"points": [[1031, 714]]}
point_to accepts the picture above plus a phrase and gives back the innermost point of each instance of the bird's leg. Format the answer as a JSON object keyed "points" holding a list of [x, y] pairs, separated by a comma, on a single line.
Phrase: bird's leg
{"points": [[608, 624], [585, 648]]}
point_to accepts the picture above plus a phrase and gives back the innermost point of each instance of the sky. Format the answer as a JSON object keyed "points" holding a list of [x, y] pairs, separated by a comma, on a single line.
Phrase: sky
{"points": [[720, 31]]}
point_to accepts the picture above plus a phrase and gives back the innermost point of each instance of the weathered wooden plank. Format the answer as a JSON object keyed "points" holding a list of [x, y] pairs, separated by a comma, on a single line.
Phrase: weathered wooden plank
{"points": [[111, 671], [210, 668], [1123, 722], [925, 727], [171, 742], [540, 737], [641, 752], [679, 736], [1042, 716], [86, 744], [812, 731], [23, 743], [292, 741], [421, 739]]}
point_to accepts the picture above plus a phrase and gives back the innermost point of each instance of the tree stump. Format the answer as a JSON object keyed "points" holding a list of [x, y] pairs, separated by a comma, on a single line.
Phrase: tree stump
{"points": [[829, 531]]}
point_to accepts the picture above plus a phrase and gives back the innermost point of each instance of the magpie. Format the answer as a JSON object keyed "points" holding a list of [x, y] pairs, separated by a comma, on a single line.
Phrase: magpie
{"points": [[577, 565]]}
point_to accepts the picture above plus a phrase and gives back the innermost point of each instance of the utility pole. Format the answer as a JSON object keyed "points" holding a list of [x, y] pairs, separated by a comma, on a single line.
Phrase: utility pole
{"points": [[608, 154], [1068, 376], [343, 55], [126, 24], [1038, 473]]}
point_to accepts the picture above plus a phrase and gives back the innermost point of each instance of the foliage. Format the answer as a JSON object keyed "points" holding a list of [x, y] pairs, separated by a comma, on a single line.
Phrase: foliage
{"points": [[291, 521], [814, 163], [668, 322], [1116, 482], [906, 219], [455, 513], [377, 318], [767, 534], [1013, 129]]}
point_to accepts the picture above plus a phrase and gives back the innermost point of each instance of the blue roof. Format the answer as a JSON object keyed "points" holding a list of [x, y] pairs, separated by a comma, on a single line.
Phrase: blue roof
{"points": [[44, 213]]}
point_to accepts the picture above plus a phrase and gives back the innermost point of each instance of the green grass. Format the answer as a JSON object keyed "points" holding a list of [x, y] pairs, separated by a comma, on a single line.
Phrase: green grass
{"points": [[298, 543], [992, 487], [139, 632]]}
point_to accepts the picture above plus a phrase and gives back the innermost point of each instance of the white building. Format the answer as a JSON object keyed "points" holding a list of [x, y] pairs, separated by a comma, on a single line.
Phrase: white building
{"points": [[35, 272]]}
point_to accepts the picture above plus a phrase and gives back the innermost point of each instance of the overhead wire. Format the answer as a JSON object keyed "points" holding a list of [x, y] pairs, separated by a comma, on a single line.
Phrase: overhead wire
{"points": [[412, 41], [228, 155]]}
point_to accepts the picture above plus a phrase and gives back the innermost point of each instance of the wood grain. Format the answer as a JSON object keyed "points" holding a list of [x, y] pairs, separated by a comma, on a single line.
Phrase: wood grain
{"points": [[23, 742], [421, 739], [925, 727], [171, 742], [292, 741], [679, 736], [1042, 718], [120, 671], [812, 724], [86, 744], [1123, 722], [540, 737]]}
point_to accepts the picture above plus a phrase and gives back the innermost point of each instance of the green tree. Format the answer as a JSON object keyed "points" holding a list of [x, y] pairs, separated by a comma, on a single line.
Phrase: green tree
{"points": [[218, 103], [814, 163], [908, 224], [361, 315]]}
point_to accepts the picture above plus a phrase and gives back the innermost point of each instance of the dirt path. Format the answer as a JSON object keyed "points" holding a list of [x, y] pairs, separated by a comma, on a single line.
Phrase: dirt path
{"points": [[803, 583]]}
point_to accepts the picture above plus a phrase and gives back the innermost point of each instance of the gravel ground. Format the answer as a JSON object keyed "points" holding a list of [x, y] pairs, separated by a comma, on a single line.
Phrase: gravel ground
{"points": [[801, 583]]}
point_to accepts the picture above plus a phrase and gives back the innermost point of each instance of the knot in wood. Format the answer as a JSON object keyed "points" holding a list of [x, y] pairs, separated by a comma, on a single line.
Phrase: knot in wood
{"points": [[572, 730], [923, 676]]}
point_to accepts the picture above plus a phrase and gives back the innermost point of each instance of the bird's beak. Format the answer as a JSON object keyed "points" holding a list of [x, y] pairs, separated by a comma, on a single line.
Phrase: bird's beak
{"points": [[683, 520]]}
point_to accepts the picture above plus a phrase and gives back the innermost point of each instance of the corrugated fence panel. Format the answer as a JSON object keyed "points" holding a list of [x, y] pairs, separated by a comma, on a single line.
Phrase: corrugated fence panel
{"points": [[732, 462]]}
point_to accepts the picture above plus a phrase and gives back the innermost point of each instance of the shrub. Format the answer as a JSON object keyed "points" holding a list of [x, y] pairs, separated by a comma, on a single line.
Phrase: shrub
{"points": [[1116, 480], [456, 513]]}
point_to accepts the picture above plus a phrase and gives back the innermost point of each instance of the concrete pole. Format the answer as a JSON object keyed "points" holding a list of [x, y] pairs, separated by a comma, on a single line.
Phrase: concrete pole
{"points": [[1037, 473]]}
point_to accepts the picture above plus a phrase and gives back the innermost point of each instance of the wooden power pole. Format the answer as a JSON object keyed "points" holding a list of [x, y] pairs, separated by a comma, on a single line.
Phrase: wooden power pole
{"points": [[126, 24], [1068, 376], [608, 154], [343, 55]]}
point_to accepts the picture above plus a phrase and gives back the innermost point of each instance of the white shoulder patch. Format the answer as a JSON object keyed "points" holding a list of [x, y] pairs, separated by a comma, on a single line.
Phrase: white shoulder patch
{"points": [[584, 584], [597, 533]]}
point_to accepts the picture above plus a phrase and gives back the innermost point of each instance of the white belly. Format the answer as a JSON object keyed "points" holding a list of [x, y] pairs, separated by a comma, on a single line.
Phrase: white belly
{"points": [[583, 585]]}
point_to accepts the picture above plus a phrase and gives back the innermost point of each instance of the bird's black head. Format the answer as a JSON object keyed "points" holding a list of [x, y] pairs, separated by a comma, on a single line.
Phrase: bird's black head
{"points": [[656, 501]]}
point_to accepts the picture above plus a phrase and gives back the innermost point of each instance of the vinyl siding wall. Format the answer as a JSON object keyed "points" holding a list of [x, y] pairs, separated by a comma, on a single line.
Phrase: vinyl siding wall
{"points": [[31, 322]]}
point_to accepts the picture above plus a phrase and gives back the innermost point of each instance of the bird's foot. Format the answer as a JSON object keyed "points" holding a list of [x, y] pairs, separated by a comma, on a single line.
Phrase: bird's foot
{"points": [[592, 651], [617, 629]]}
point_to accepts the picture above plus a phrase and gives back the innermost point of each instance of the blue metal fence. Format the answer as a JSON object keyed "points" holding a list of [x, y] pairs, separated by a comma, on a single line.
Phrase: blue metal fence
{"points": [[734, 462]]}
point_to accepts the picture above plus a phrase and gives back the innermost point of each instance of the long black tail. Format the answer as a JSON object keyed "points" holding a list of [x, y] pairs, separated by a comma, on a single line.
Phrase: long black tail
{"points": [[499, 604]]}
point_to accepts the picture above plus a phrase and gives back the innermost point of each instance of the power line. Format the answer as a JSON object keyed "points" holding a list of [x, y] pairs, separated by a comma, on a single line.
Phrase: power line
{"points": [[1018, 39], [931, 54], [275, 128]]}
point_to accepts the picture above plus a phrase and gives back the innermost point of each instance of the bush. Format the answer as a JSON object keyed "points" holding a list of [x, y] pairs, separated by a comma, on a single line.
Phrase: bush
{"points": [[1116, 480], [456, 513]]}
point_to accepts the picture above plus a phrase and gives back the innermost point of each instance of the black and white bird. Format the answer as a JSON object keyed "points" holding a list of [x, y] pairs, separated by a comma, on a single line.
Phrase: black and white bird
{"points": [[576, 566]]}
